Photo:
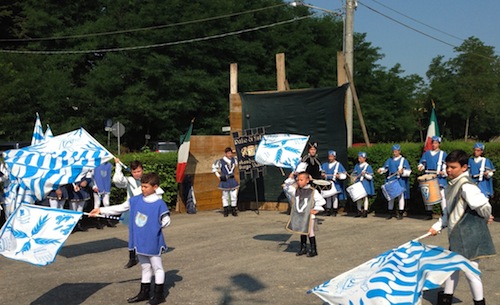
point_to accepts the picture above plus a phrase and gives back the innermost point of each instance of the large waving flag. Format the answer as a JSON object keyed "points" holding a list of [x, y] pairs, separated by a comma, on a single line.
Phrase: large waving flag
{"points": [[432, 130], [36, 170], [183, 154], [281, 150], [398, 276], [34, 234], [37, 131]]}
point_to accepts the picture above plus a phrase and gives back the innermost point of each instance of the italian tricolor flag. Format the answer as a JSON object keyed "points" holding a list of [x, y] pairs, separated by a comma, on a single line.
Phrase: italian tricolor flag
{"points": [[183, 154], [432, 130]]}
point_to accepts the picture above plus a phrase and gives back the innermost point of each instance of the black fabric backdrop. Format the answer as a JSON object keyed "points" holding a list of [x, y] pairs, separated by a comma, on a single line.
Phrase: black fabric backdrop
{"points": [[318, 113]]}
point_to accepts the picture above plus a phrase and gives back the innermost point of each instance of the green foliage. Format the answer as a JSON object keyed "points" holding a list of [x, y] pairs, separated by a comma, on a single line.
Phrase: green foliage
{"points": [[379, 153]]}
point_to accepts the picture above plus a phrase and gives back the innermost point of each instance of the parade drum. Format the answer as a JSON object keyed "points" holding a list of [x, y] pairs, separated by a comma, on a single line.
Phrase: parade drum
{"points": [[356, 191], [325, 187], [429, 187], [392, 189]]}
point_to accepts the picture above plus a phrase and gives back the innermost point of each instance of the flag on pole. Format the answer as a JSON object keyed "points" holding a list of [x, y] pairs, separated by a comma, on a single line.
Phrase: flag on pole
{"points": [[281, 150], [36, 170], [34, 234], [398, 276], [183, 154], [48, 132], [37, 131], [432, 130]]}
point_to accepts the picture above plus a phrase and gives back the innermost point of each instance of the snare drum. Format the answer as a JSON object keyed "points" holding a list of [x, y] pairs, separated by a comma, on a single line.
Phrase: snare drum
{"points": [[430, 189], [325, 187], [392, 189], [356, 191]]}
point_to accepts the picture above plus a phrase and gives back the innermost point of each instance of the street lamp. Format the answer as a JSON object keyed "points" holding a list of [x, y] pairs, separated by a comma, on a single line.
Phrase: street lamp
{"points": [[300, 3]]}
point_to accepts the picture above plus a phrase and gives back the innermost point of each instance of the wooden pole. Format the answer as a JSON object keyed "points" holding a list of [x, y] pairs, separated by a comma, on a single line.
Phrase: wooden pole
{"points": [[280, 72]]}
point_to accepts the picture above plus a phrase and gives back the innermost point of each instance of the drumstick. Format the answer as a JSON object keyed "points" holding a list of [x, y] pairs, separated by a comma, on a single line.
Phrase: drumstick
{"points": [[103, 216]]}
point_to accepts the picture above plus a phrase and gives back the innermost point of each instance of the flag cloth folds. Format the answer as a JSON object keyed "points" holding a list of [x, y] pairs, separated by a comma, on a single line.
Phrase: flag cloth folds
{"points": [[48, 132], [281, 150], [432, 130], [36, 170], [397, 276], [34, 234], [37, 131], [183, 154]]}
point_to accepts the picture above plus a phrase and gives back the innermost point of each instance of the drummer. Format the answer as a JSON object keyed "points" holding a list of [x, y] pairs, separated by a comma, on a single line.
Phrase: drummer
{"points": [[432, 162], [397, 168], [312, 163], [334, 171], [363, 173], [481, 170]]}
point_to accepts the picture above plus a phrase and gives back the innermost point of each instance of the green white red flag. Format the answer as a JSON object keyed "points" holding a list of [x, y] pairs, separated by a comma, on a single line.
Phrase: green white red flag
{"points": [[432, 130], [183, 154]]}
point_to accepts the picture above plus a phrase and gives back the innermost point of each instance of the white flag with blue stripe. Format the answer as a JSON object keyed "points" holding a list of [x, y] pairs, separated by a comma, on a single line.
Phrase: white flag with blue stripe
{"points": [[398, 276], [38, 135], [34, 234], [281, 150], [48, 133], [36, 170]]}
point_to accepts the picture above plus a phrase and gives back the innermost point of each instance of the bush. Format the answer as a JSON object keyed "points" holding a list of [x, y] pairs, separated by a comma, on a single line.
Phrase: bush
{"points": [[378, 154]]}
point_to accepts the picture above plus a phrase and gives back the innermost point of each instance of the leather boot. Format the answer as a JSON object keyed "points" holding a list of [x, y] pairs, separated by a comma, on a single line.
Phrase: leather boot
{"points": [[334, 212], [328, 212], [233, 211], [444, 299], [158, 296], [142, 295], [428, 215], [359, 214], [303, 245], [99, 225], [400, 214], [313, 251], [364, 214], [226, 211], [391, 214], [132, 261], [482, 302]]}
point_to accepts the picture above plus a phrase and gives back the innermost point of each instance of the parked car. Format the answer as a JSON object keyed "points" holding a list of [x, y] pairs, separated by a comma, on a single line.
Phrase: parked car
{"points": [[163, 146]]}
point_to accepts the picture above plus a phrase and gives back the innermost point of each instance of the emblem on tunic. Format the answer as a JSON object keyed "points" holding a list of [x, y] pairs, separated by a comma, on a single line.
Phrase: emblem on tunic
{"points": [[141, 219]]}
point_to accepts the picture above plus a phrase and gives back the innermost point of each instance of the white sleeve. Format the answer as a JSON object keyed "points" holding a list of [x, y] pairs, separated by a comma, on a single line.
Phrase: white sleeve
{"points": [[215, 168], [118, 178], [382, 170], [165, 220], [476, 200], [342, 176], [368, 176], [319, 201], [406, 173], [116, 209], [288, 186]]}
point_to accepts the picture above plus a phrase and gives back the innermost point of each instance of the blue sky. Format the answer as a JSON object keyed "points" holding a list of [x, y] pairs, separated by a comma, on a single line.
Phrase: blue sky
{"points": [[414, 51]]}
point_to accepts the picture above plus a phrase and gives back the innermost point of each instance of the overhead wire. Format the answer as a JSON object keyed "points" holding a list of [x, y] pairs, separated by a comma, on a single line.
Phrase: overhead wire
{"points": [[159, 44]]}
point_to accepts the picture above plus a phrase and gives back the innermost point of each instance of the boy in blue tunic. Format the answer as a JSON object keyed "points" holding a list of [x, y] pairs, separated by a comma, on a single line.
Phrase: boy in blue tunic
{"points": [[481, 170], [466, 216], [432, 162], [224, 169], [363, 173], [148, 215], [397, 169], [334, 171]]}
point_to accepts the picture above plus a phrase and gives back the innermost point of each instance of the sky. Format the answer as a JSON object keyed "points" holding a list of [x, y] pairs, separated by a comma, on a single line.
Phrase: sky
{"points": [[450, 21]]}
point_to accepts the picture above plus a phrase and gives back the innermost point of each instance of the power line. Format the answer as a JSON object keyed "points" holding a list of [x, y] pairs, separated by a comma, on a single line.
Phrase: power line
{"points": [[137, 29], [160, 44]]}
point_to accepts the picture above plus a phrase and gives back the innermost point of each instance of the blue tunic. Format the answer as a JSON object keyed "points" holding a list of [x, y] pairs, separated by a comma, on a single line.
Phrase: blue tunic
{"points": [[82, 195], [102, 177], [486, 184], [145, 235], [227, 181], [430, 162], [367, 184], [392, 166], [331, 172]]}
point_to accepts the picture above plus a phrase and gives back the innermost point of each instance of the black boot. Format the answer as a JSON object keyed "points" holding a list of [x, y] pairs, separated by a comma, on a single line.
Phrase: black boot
{"points": [[132, 261], [233, 211], [364, 214], [328, 212], [400, 214], [142, 295], [303, 245], [79, 227], [428, 215], [444, 299], [482, 302], [99, 225], [226, 211], [391, 214], [110, 223], [334, 212], [313, 251], [359, 214], [158, 296]]}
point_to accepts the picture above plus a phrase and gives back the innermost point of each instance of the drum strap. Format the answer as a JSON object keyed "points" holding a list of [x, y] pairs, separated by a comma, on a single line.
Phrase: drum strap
{"points": [[481, 169], [440, 162]]}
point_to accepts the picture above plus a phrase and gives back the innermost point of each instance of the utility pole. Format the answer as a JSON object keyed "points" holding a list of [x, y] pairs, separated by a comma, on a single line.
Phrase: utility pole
{"points": [[349, 59]]}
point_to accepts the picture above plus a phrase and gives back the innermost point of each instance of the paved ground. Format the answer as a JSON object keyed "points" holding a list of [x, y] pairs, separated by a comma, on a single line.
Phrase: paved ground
{"points": [[244, 260]]}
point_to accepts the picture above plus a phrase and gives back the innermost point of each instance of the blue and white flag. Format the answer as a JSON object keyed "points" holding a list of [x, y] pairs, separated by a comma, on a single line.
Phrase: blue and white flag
{"points": [[281, 150], [37, 131], [34, 234], [36, 170], [48, 133], [398, 276]]}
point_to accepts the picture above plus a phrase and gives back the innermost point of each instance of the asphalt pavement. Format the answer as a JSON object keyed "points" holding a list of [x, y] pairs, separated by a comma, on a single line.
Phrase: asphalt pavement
{"points": [[249, 259]]}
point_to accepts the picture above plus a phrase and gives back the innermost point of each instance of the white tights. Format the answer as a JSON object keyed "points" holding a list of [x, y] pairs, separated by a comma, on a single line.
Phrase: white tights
{"points": [[233, 194], [476, 286], [332, 201], [151, 265], [401, 203], [365, 203]]}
